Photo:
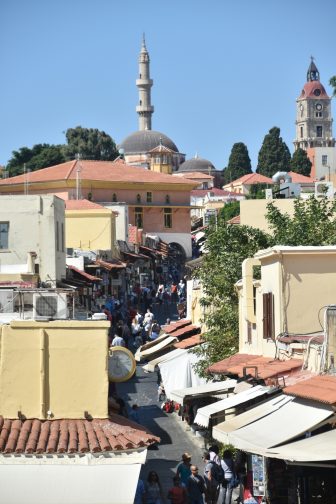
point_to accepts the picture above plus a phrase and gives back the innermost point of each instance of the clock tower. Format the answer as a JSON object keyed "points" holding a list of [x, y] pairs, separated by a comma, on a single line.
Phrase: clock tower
{"points": [[313, 114]]}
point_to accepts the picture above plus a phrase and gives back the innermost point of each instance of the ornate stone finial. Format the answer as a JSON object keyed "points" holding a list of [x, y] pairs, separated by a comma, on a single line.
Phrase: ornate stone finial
{"points": [[160, 140], [143, 40]]}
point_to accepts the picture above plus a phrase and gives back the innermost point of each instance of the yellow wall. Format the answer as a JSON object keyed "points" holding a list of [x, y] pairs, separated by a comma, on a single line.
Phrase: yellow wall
{"points": [[90, 229], [252, 212], [59, 366]]}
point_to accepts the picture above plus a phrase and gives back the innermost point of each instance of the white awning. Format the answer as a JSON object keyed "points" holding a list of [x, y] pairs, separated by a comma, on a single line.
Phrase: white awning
{"points": [[220, 432], [203, 414], [179, 372], [150, 366], [208, 388], [288, 422], [321, 447], [163, 343]]}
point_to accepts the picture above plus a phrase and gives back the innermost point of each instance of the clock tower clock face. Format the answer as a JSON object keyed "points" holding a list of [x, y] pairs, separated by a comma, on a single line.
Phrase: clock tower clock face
{"points": [[319, 106], [121, 364]]}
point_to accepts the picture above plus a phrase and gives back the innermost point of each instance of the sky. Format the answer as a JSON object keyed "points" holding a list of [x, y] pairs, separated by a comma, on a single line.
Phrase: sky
{"points": [[224, 71]]}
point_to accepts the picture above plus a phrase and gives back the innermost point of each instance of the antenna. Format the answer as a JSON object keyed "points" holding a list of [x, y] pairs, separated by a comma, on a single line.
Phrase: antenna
{"points": [[78, 179]]}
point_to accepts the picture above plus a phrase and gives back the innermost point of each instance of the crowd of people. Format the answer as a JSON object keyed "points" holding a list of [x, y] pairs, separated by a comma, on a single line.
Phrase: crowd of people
{"points": [[190, 487]]}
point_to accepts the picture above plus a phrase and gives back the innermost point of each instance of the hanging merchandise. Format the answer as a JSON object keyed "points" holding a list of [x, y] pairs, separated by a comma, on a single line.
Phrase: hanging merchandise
{"points": [[258, 469]]}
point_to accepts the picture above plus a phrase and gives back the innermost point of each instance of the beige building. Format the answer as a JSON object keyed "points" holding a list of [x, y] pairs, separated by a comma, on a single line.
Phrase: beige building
{"points": [[296, 284], [32, 224]]}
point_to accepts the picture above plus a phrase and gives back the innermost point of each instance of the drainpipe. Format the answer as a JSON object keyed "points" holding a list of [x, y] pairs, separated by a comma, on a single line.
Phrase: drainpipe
{"points": [[43, 338]]}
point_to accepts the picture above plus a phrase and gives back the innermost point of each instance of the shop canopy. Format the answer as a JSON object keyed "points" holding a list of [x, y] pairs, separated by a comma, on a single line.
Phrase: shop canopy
{"points": [[319, 448], [161, 345], [179, 372], [220, 432], [294, 418], [207, 389], [150, 366], [218, 408]]}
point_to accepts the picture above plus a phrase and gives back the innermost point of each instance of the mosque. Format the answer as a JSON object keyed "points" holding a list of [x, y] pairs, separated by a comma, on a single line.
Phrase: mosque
{"points": [[152, 149]]}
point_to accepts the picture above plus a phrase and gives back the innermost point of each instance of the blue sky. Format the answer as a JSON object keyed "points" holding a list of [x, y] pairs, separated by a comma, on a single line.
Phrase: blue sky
{"points": [[224, 71]]}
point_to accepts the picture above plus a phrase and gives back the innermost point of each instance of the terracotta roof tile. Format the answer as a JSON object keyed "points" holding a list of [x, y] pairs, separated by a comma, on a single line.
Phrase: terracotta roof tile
{"points": [[215, 191], [318, 388], [110, 265], [72, 436], [302, 338], [183, 331], [112, 171], [189, 342], [297, 178], [169, 329], [234, 220], [82, 204], [252, 178], [194, 175], [84, 274]]}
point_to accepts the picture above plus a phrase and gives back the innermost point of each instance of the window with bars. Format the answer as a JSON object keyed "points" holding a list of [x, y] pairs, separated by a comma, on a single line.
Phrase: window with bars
{"points": [[4, 232], [138, 217], [268, 315], [168, 218]]}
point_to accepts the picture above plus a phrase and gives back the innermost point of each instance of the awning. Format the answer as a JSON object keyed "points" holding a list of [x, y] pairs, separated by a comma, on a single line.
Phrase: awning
{"points": [[220, 432], [173, 326], [204, 414], [87, 276], [144, 354], [319, 448], [190, 342], [179, 372], [208, 388], [150, 366], [294, 418]]}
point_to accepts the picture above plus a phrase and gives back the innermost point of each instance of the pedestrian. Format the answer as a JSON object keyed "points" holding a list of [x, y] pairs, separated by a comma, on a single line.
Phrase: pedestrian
{"points": [[155, 330], [134, 414], [153, 489], [227, 464], [183, 469], [118, 341], [181, 290], [139, 493], [195, 486], [211, 483], [177, 494], [214, 454]]}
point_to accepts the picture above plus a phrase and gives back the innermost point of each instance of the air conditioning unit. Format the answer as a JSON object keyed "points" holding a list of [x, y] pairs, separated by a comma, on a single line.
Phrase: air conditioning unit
{"points": [[324, 189], [49, 305], [6, 301]]}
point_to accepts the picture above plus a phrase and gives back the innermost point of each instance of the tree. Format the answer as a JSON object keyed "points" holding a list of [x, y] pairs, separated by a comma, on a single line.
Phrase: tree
{"points": [[332, 83], [300, 162], [227, 246], [230, 210], [274, 154], [90, 144], [40, 156], [239, 163]]}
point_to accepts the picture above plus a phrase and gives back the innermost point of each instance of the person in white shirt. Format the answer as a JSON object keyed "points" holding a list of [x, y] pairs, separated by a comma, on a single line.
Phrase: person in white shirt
{"points": [[118, 341]]}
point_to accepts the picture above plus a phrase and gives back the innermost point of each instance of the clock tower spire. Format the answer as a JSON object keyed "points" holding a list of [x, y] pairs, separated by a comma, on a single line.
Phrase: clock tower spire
{"points": [[144, 83]]}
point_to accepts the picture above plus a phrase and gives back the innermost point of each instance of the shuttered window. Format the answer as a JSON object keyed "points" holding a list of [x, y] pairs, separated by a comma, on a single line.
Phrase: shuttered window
{"points": [[268, 315]]}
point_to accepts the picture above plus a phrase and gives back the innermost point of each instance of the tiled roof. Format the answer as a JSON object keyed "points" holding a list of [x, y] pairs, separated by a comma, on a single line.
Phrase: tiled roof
{"points": [[234, 220], [194, 175], [84, 274], [319, 388], [72, 436], [309, 88], [262, 367], [162, 148], [297, 178], [215, 191], [252, 178], [183, 331], [189, 342], [108, 171], [110, 265], [169, 329], [83, 204], [302, 338]]}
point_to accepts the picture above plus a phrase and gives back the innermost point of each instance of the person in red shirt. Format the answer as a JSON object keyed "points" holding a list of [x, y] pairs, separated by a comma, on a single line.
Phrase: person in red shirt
{"points": [[178, 493]]}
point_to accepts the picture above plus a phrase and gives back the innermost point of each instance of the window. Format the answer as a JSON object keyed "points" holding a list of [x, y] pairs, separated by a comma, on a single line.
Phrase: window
{"points": [[138, 198], [301, 131], [168, 218], [319, 131], [149, 197], [318, 114], [138, 217], [324, 160], [167, 199], [57, 236], [268, 316], [4, 229], [114, 197]]}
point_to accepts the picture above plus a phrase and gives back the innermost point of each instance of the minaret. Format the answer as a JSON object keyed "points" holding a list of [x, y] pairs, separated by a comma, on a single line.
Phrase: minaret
{"points": [[313, 114], [144, 83]]}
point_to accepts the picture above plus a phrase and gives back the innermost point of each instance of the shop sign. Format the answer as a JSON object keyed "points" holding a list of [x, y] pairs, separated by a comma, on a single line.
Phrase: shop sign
{"points": [[258, 470]]}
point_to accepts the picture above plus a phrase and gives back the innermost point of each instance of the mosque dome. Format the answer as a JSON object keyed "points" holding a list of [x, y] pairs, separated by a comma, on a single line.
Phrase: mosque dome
{"points": [[197, 164], [144, 141]]}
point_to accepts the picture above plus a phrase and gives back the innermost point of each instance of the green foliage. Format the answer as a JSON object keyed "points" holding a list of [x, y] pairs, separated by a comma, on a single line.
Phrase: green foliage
{"points": [[239, 163], [90, 144], [332, 83], [300, 162], [40, 156], [257, 191], [230, 210], [274, 154], [313, 223], [227, 247]]}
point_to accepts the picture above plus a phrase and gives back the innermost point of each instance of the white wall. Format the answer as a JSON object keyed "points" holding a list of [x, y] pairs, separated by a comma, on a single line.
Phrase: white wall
{"points": [[32, 228], [121, 219]]}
